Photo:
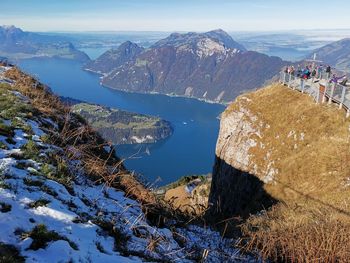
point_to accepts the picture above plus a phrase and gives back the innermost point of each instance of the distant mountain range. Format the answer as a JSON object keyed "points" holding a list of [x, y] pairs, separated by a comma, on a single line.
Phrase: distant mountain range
{"points": [[337, 54], [209, 66], [17, 44]]}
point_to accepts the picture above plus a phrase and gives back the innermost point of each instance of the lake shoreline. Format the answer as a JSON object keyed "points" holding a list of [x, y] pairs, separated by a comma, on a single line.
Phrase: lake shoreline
{"points": [[153, 92]]}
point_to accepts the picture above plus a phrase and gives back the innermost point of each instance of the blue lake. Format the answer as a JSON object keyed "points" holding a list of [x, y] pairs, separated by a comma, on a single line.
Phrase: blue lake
{"points": [[191, 148]]}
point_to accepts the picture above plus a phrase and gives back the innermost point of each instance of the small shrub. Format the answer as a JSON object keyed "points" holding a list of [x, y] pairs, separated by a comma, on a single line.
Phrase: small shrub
{"points": [[120, 238], [41, 237], [21, 165], [4, 185], [15, 110], [63, 169], [6, 130], [4, 208], [30, 182], [45, 138], [47, 170], [71, 204], [11, 106], [34, 172], [58, 172], [77, 220], [18, 123], [100, 247], [10, 140], [19, 231], [3, 146], [31, 150], [10, 254], [17, 155], [37, 203], [48, 190]]}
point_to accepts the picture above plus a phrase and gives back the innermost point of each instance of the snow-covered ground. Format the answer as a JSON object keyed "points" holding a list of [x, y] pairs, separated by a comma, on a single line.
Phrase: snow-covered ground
{"points": [[95, 223]]}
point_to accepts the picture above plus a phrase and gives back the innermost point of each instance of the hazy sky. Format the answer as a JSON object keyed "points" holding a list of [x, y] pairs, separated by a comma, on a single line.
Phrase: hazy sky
{"points": [[174, 15]]}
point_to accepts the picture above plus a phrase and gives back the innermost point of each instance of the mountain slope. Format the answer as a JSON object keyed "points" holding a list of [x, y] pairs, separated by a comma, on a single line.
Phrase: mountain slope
{"points": [[114, 58], [209, 66], [336, 54], [65, 197], [17, 44]]}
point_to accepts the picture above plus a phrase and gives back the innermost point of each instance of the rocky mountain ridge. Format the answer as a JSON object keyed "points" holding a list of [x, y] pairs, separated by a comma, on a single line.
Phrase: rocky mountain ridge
{"points": [[209, 66]]}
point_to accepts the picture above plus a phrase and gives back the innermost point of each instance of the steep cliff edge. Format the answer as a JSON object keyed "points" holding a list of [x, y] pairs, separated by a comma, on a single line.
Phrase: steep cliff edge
{"points": [[276, 144]]}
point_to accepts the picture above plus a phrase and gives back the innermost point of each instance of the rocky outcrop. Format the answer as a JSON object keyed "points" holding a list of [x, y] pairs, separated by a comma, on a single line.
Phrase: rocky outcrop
{"points": [[276, 144]]}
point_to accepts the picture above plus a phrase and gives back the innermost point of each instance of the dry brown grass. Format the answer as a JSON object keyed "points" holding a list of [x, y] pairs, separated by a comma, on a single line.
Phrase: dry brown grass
{"points": [[80, 142], [153, 242], [38, 93], [283, 235]]}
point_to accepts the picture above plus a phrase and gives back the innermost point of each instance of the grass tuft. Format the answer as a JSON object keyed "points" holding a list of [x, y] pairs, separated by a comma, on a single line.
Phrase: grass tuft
{"points": [[281, 235], [31, 150]]}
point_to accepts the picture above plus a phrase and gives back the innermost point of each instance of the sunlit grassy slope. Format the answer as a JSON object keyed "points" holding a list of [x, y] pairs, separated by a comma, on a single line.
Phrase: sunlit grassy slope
{"points": [[308, 144]]}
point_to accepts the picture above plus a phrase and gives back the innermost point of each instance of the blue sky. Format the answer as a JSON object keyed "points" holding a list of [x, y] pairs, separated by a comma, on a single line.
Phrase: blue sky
{"points": [[174, 15]]}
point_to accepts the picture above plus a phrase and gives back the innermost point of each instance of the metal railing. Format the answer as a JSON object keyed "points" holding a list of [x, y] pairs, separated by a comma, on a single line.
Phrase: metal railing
{"points": [[320, 89]]}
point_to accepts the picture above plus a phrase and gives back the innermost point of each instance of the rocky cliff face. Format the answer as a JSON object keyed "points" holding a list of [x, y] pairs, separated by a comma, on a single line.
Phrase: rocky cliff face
{"points": [[274, 145]]}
